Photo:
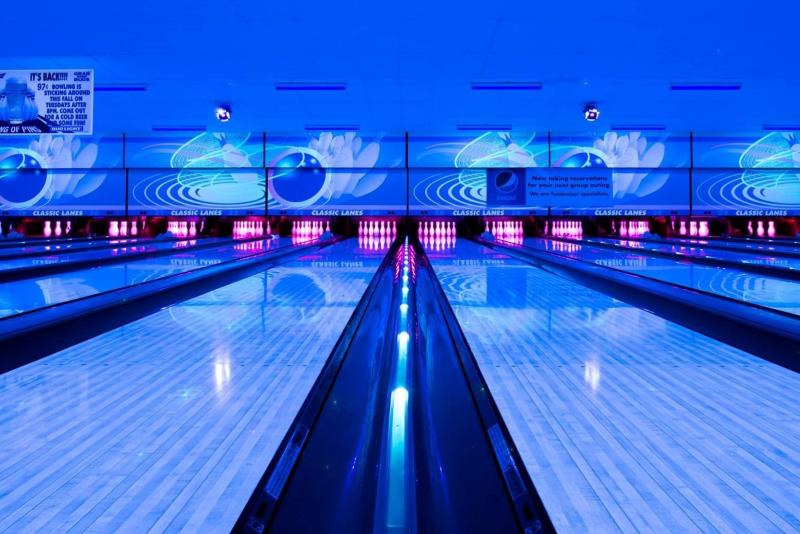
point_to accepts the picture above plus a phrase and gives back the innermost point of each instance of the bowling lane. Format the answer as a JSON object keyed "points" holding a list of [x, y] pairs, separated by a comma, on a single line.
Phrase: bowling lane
{"points": [[167, 423], [767, 291], [747, 257], [34, 293], [58, 247], [124, 249], [760, 246], [625, 421]]}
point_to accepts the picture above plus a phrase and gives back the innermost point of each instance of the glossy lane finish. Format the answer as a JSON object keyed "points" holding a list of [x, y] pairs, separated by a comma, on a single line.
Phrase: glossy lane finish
{"points": [[625, 421], [767, 291], [33, 293], [59, 247], [167, 423], [745, 257], [104, 253]]}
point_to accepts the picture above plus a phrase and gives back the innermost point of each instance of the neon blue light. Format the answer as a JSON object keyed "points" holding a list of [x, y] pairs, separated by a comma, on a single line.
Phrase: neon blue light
{"points": [[396, 513]]}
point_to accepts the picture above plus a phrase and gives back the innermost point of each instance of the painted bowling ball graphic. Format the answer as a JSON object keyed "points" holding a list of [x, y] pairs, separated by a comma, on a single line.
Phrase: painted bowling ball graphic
{"points": [[23, 180], [583, 158], [297, 178], [506, 181]]}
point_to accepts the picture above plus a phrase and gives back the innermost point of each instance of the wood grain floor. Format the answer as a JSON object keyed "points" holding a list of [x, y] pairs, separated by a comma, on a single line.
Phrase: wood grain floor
{"points": [[626, 422], [166, 424]]}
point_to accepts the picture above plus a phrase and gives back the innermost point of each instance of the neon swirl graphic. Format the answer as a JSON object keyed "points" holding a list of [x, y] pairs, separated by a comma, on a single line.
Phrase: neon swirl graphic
{"points": [[770, 176], [466, 188], [212, 172]]}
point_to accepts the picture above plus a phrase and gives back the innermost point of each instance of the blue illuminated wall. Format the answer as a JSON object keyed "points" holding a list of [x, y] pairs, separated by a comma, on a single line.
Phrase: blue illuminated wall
{"points": [[747, 175], [336, 173], [331, 173], [625, 173], [55, 174]]}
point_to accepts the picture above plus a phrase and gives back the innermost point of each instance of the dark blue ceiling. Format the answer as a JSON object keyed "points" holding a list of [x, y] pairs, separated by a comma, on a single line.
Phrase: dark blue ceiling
{"points": [[409, 65]]}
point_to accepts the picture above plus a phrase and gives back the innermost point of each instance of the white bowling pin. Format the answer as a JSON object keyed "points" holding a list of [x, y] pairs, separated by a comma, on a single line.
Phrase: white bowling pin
{"points": [[123, 228], [68, 229], [48, 231], [134, 228], [682, 230], [771, 229], [58, 229], [760, 230], [749, 227]]}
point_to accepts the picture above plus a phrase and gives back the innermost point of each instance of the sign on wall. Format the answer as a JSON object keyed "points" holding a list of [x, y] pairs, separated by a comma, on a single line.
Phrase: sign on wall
{"points": [[46, 101]]}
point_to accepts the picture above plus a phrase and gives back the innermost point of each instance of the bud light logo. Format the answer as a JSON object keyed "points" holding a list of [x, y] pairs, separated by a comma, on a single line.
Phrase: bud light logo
{"points": [[505, 187]]}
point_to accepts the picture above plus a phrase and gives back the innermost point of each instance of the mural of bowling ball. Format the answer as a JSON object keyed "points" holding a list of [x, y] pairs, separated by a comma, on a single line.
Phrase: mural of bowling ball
{"points": [[23, 181], [506, 181], [297, 177], [582, 158]]}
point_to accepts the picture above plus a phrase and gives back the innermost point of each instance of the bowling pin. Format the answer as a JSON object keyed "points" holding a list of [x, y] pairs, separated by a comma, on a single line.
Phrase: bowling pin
{"points": [[68, 229], [682, 230], [123, 228], [58, 228], [192, 228], [771, 229], [113, 229], [760, 229], [47, 230], [749, 227], [134, 228], [693, 228]]}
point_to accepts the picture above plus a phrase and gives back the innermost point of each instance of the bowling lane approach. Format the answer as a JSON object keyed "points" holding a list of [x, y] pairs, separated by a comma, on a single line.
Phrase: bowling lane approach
{"points": [[30, 294], [766, 291], [625, 421], [135, 431]]}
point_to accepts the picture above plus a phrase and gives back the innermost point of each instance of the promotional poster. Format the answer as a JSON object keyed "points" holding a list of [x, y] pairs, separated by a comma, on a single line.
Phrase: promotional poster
{"points": [[34, 102]]}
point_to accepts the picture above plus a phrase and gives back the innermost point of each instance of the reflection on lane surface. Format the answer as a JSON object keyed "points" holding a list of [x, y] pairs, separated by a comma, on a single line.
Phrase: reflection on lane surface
{"points": [[99, 255], [168, 423], [776, 293], [32, 247], [698, 251], [763, 246], [30, 294], [625, 421]]}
